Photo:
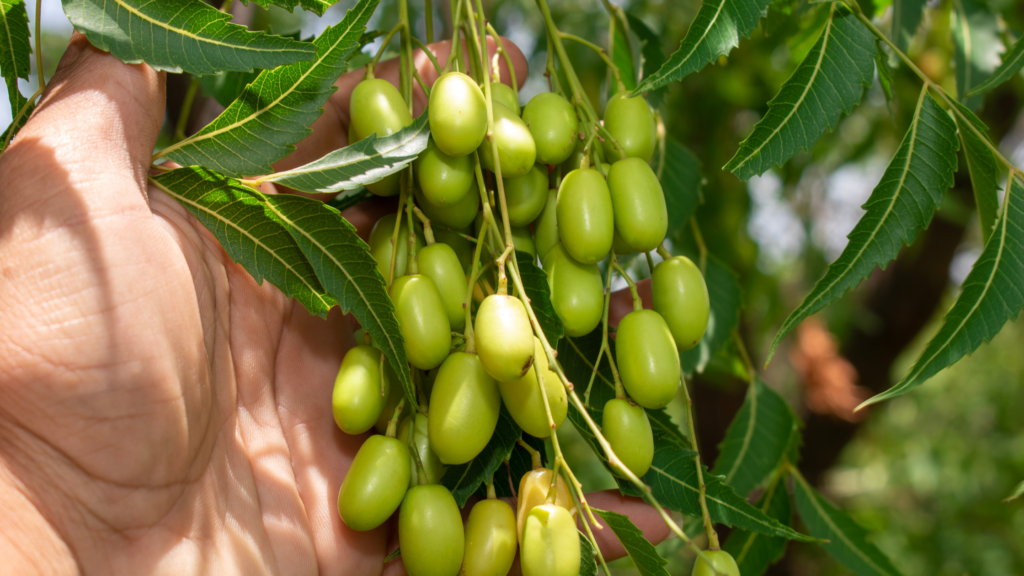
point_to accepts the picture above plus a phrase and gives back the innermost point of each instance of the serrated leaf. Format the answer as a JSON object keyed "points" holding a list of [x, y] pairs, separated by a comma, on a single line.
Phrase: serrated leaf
{"points": [[756, 440], [643, 554], [316, 6], [464, 479], [681, 181], [900, 207], [906, 18], [651, 54], [847, 541], [15, 49], [1012, 63], [829, 82], [225, 87], [753, 552], [991, 294], [982, 167], [588, 560], [726, 299], [248, 234], [179, 35], [976, 42], [348, 272], [535, 281], [274, 112], [715, 31], [884, 72], [359, 164]]}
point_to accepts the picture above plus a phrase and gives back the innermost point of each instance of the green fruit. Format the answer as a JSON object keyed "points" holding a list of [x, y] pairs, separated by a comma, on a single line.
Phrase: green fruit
{"points": [[375, 483], [648, 359], [575, 159], [546, 228], [721, 563], [577, 292], [395, 394], [584, 209], [631, 122], [440, 263], [443, 179], [464, 406], [619, 245], [380, 245], [457, 215], [504, 337], [490, 539], [432, 465], [525, 196], [551, 543], [525, 404], [422, 320], [458, 114], [430, 532], [504, 94], [681, 297], [641, 217], [522, 240], [628, 430], [377, 108], [359, 395], [460, 244], [553, 124], [516, 149], [533, 491]]}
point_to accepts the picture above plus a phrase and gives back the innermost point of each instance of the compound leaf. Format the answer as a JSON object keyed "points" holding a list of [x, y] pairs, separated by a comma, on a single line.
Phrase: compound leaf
{"points": [[1012, 62], [726, 301], [754, 552], [588, 560], [643, 554], [464, 479], [830, 81]]}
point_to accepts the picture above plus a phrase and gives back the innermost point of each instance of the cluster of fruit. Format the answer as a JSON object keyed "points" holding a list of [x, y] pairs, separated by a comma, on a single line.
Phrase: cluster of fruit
{"points": [[592, 212]]}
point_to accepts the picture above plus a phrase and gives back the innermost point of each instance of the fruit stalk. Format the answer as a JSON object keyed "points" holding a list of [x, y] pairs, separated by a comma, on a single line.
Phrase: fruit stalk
{"points": [[600, 52], [638, 304], [708, 525], [402, 198]]}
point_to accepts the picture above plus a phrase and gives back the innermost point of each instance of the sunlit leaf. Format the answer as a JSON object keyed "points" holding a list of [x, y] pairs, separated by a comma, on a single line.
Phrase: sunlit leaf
{"points": [[1012, 63], [316, 6], [643, 554], [977, 44], [588, 560], [535, 281], [726, 299], [464, 479], [754, 552], [622, 56]]}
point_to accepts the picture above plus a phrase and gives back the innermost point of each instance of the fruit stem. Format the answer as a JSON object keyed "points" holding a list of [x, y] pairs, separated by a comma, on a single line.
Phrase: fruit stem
{"points": [[663, 252], [508, 59], [534, 454], [600, 52], [428, 233], [186, 106], [411, 266], [502, 278], [428, 14], [421, 474], [433, 59], [453, 54], [604, 342], [393, 423], [39, 48], [383, 47], [553, 486], [491, 494], [549, 70], [638, 304], [708, 526], [474, 274], [650, 262], [380, 370], [402, 197]]}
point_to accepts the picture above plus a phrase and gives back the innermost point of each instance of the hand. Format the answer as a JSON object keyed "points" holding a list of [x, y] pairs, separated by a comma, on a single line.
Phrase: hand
{"points": [[160, 412]]}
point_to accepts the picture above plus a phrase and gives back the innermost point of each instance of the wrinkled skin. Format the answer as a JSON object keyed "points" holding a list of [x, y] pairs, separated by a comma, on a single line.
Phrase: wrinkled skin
{"points": [[160, 411]]}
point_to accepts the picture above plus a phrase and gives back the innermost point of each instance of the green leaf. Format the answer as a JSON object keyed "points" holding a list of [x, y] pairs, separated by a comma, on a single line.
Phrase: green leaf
{"points": [[1017, 493], [830, 81], [464, 479], [715, 31], [643, 554], [757, 439], [884, 72], [906, 18], [622, 56], [588, 562], [681, 181], [650, 52], [274, 112], [535, 281], [179, 35], [343, 264], [726, 302], [753, 552], [982, 166], [977, 45], [224, 87], [1012, 62], [350, 198], [15, 49], [393, 555], [364, 162], [991, 294], [900, 207], [317, 6], [251, 236], [847, 542], [519, 463], [16, 123]]}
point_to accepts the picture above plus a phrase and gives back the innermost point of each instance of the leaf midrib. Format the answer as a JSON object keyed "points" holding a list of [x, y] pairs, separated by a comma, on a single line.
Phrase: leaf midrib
{"points": [[1000, 74], [10, 37], [718, 13], [749, 434]]}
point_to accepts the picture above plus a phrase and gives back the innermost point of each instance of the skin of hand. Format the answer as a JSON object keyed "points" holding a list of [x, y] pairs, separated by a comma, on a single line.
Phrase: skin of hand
{"points": [[161, 412]]}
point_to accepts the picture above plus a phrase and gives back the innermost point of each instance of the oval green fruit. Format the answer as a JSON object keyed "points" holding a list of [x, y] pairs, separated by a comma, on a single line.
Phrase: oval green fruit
{"points": [[551, 543], [516, 149], [553, 123], [631, 122], [444, 180], [375, 483], [430, 532], [648, 358], [524, 402], [533, 491], [380, 245], [440, 263], [504, 337], [457, 215], [577, 291], [525, 196], [681, 297], [545, 231], [376, 107], [721, 563], [504, 94], [585, 222], [463, 248], [458, 114], [395, 394], [432, 466], [522, 240], [638, 203], [359, 395], [464, 406], [422, 320], [490, 539], [628, 430]]}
